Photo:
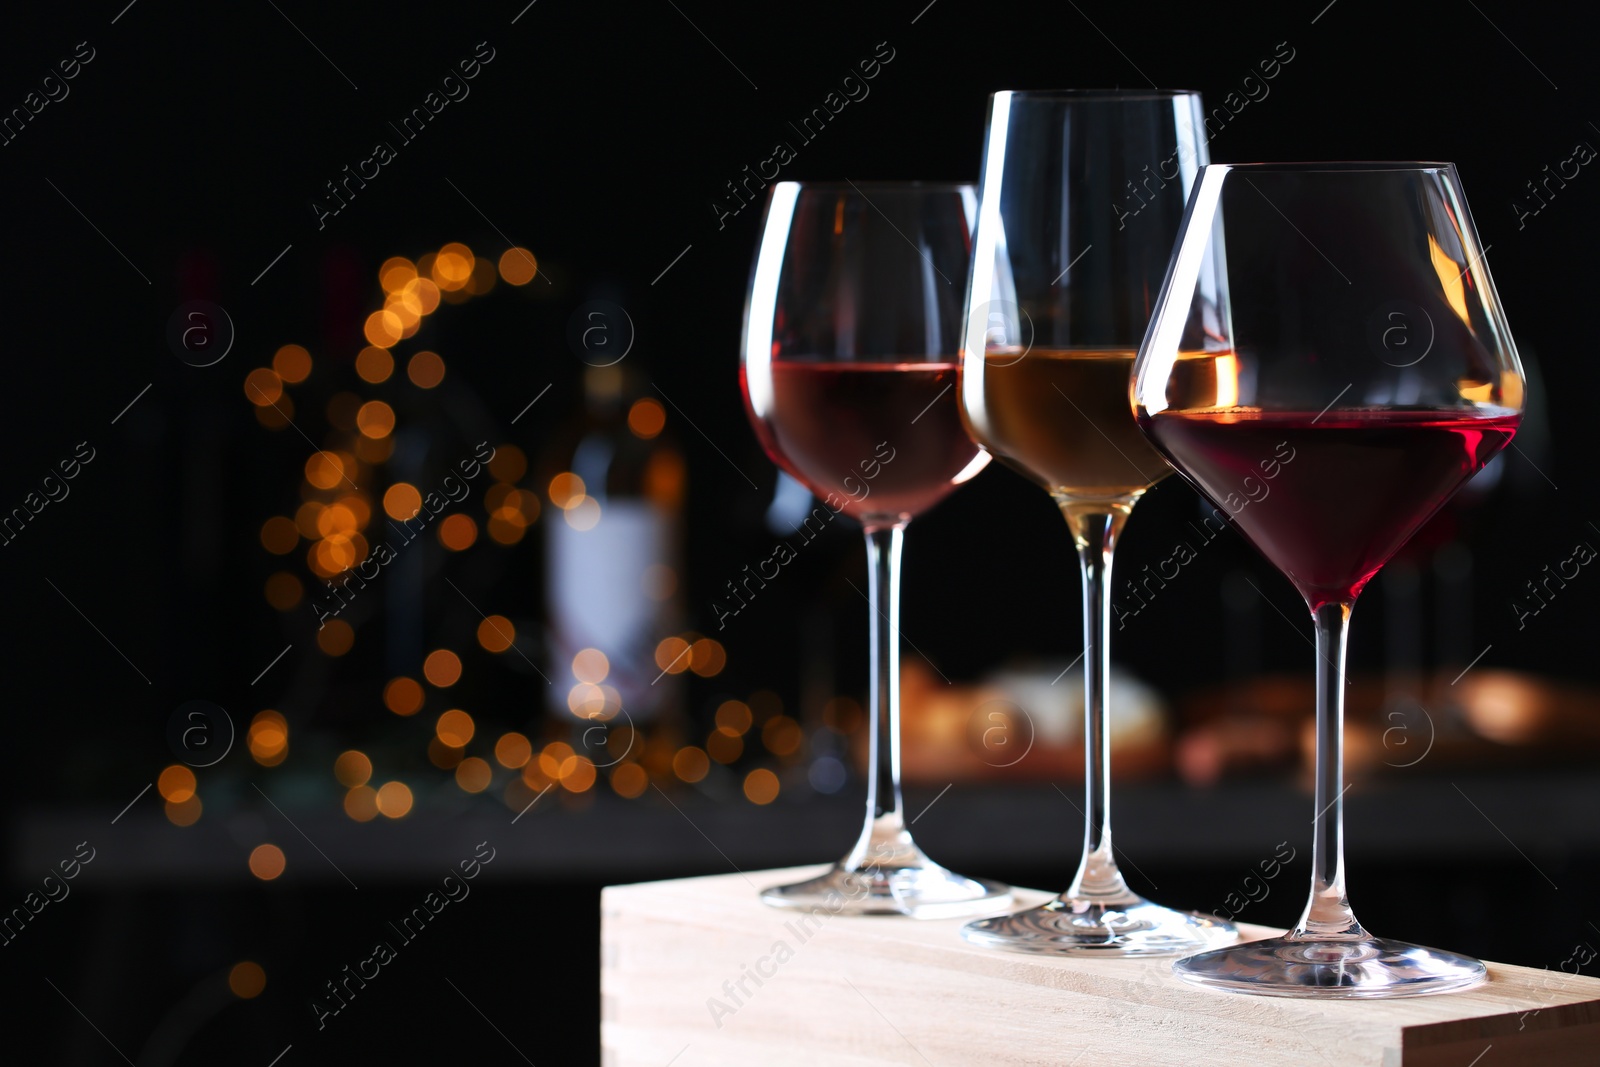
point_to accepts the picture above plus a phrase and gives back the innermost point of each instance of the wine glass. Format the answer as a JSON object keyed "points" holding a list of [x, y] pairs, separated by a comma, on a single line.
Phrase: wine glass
{"points": [[851, 338], [1364, 371], [1082, 195]]}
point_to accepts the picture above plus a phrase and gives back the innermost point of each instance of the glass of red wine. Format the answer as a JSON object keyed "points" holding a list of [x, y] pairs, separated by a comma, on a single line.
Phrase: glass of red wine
{"points": [[852, 335], [1371, 373]]}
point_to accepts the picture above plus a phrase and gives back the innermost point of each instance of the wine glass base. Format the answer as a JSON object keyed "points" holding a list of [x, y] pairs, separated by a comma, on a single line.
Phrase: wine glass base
{"points": [[1068, 927], [1368, 967], [920, 890]]}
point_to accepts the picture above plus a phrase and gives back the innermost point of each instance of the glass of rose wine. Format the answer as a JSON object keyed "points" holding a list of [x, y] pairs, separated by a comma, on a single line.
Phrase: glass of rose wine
{"points": [[1082, 195], [852, 334], [1365, 373]]}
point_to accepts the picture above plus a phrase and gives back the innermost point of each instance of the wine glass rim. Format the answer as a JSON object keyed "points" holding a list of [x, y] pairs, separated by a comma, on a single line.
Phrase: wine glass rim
{"points": [[1109, 95], [878, 185], [1337, 165]]}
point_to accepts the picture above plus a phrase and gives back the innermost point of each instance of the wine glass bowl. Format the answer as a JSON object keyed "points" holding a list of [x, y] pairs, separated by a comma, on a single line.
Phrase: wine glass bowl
{"points": [[1083, 193], [1369, 374], [852, 333]]}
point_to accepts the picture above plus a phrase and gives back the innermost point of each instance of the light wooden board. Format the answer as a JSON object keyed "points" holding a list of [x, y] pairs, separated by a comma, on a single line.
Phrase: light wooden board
{"points": [[698, 972]]}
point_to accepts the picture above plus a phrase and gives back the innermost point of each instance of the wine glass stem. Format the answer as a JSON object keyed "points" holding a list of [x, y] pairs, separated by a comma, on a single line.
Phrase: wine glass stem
{"points": [[1095, 532], [1328, 914], [884, 835]]}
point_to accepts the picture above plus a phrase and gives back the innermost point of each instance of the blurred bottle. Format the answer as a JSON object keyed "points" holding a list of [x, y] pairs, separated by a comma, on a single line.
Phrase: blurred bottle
{"points": [[613, 555]]}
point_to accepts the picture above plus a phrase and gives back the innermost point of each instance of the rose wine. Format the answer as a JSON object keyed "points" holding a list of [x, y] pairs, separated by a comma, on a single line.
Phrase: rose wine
{"points": [[879, 440], [1328, 499], [1062, 418]]}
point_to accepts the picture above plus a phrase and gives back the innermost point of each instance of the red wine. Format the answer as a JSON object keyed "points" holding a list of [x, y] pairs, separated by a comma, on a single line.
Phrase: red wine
{"points": [[1328, 499], [879, 440]]}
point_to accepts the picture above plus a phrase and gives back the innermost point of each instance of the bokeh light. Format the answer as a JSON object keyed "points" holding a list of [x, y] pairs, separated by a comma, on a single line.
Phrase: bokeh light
{"points": [[566, 490], [352, 768], [724, 747], [403, 696], [690, 763], [590, 665], [268, 738], [383, 329], [761, 786], [176, 783], [325, 470], [246, 980], [183, 812], [518, 266], [396, 273], [513, 750], [707, 657], [394, 800], [509, 463], [496, 633], [584, 514], [402, 501], [672, 655], [292, 363], [577, 774], [733, 717], [782, 735], [336, 637], [442, 668], [266, 862], [375, 419], [455, 728], [473, 775], [646, 417], [262, 386], [374, 364], [425, 370], [279, 535], [283, 591], [361, 803], [629, 780], [458, 532]]}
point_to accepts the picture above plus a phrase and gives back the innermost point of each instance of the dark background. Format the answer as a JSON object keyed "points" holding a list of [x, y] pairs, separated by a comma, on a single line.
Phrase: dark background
{"points": [[191, 149]]}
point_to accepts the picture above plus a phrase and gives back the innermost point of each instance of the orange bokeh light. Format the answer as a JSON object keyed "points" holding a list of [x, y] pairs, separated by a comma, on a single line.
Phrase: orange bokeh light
{"points": [[455, 728], [496, 633], [266, 862], [403, 696], [279, 535], [394, 800], [402, 501], [442, 668], [374, 364], [375, 419], [262, 387], [176, 783], [518, 266], [647, 417], [425, 370], [293, 364], [457, 532]]}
